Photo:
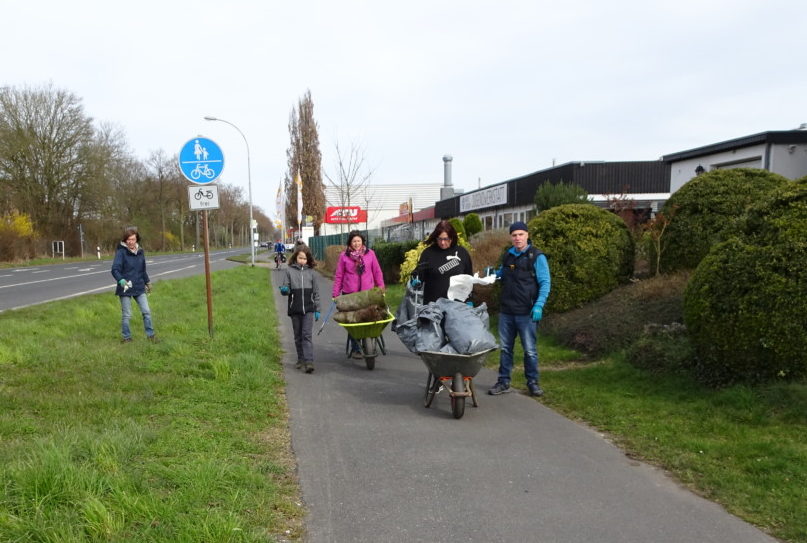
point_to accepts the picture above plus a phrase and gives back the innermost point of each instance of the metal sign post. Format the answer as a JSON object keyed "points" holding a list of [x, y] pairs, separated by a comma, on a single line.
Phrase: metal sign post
{"points": [[201, 162]]}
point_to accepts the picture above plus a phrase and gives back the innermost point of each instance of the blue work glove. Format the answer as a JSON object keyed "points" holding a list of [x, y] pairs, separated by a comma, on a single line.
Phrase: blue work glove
{"points": [[284, 290], [415, 282], [122, 283], [537, 313], [316, 315]]}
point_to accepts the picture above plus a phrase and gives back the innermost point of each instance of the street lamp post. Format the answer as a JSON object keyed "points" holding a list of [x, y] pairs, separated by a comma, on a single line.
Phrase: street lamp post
{"points": [[249, 183]]}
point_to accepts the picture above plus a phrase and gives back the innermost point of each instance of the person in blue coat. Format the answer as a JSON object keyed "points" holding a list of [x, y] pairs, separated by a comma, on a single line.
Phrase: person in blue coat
{"points": [[132, 281], [525, 288]]}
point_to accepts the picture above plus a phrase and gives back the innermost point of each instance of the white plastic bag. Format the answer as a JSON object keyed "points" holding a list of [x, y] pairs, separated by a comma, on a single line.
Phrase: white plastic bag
{"points": [[460, 286]]}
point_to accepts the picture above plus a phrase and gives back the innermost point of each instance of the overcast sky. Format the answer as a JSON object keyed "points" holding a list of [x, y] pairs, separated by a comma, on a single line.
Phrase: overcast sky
{"points": [[505, 87]]}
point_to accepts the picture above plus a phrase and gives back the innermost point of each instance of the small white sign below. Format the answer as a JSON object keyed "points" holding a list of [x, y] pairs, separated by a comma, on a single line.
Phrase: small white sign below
{"points": [[204, 197]]}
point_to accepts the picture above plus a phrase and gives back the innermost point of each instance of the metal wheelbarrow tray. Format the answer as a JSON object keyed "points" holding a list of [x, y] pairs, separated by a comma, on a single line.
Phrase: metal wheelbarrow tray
{"points": [[454, 372]]}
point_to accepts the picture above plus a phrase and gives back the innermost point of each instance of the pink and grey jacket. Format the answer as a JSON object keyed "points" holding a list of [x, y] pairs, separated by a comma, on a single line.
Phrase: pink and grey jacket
{"points": [[347, 281]]}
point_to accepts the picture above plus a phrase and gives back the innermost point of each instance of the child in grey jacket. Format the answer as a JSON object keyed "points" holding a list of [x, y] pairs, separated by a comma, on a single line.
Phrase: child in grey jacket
{"points": [[300, 286]]}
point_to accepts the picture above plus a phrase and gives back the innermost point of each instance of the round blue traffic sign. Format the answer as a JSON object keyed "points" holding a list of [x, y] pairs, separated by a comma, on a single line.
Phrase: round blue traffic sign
{"points": [[201, 160]]}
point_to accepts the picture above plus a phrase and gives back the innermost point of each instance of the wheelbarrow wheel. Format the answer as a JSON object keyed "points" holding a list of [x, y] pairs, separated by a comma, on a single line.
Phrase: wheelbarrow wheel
{"points": [[432, 386], [368, 346], [458, 402]]}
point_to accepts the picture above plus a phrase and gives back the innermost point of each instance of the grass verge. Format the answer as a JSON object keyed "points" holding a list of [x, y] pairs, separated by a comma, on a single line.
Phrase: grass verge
{"points": [[184, 440], [742, 447]]}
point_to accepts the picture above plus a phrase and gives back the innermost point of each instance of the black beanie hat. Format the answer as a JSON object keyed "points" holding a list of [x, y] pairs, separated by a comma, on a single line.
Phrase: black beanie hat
{"points": [[518, 225]]}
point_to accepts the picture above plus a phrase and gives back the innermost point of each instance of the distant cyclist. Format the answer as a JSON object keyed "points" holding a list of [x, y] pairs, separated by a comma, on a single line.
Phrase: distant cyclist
{"points": [[280, 253]]}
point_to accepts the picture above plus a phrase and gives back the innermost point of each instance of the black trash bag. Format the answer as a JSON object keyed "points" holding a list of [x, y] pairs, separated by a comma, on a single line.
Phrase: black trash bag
{"points": [[465, 329], [430, 335], [423, 332]]}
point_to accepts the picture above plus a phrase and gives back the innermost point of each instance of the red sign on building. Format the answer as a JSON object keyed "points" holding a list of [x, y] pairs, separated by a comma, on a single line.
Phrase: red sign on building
{"points": [[345, 215]]}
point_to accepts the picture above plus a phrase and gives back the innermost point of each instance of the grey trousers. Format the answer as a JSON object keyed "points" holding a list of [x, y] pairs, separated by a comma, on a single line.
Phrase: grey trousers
{"points": [[303, 326]]}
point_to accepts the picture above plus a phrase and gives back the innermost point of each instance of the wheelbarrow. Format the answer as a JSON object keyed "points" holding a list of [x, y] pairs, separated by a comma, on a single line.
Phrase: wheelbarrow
{"points": [[455, 373], [369, 338]]}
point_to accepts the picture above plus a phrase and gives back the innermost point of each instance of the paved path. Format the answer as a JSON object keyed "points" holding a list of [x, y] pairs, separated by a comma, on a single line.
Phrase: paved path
{"points": [[375, 465]]}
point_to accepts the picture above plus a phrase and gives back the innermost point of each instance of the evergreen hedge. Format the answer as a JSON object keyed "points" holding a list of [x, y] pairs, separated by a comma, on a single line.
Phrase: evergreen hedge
{"points": [[472, 224], [590, 252], [390, 257], [746, 304], [706, 211]]}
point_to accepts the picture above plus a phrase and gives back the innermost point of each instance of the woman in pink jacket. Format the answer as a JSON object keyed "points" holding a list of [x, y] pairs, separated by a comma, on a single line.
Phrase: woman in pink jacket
{"points": [[357, 270]]}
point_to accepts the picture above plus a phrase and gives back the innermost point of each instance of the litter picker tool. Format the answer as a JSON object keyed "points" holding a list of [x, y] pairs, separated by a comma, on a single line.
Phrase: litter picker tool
{"points": [[327, 317]]}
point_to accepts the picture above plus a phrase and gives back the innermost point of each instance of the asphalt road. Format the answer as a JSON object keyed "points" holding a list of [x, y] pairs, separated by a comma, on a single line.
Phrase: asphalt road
{"points": [[375, 465], [21, 287]]}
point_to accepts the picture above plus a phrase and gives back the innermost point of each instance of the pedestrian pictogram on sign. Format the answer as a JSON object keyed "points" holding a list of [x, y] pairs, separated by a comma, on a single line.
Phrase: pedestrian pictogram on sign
{"points": [[201, 160]]}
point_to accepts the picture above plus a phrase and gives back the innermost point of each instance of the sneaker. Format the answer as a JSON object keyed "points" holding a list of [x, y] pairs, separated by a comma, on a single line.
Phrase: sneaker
{"points": [[309, 367], [357, 355], [299, 365], [153, 339], [499, 388], [534, 389], [126, 340]]}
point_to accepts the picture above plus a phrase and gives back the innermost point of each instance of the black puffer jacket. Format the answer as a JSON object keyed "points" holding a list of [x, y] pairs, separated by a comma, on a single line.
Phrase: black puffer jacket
{"points": [[132, 267], [303, 291]]}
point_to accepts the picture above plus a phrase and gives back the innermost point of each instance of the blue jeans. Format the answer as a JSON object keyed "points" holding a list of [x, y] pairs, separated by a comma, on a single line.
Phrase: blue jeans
{"points": [[509, 326], [126, 311]]}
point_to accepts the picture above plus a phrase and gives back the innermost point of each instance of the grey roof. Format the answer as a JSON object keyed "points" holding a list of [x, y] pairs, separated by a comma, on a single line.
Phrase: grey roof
{"points": [[781, 136]]}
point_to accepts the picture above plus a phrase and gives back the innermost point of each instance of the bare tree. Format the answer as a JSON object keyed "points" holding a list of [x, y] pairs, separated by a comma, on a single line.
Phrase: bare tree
{"points": [[46, 150], [304, 159], [352, 177]]}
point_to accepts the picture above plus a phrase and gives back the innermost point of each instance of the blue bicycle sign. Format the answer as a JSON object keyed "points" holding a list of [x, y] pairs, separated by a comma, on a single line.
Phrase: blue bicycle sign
{"points": [[201, 160]]}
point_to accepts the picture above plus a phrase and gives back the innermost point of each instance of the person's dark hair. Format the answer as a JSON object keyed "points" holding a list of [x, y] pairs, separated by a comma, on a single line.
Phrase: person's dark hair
{"points": [[129, 232], [350, 236], [307, 252], [443, 227]]}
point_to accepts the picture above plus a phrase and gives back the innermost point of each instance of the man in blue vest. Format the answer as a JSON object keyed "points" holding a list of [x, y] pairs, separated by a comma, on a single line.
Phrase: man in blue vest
{"points": [[525, 288]]}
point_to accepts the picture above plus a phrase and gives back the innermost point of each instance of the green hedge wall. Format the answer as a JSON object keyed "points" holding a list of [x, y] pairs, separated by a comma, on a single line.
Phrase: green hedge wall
{"points": [[390, 257]]}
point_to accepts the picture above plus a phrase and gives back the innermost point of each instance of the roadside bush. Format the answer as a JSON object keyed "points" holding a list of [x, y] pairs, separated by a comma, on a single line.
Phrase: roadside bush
{"points": [[662, 348], [458, 226], [746, 311], [617, 319], [746, 305], [17, 237], [706, 211], [390, 257], [590, 252], [472, 224]]}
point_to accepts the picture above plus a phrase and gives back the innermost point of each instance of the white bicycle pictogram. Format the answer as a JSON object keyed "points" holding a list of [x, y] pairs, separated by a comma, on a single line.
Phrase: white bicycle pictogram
{"points": [[198, 195], [202, 169]]}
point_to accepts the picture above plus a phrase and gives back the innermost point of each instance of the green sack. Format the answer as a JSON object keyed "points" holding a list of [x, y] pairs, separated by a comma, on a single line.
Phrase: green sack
{"points": [[360, 300]]}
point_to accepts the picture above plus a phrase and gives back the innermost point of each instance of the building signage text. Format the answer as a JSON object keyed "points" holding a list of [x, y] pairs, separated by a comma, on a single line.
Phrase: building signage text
{"points": [[493, 196]]}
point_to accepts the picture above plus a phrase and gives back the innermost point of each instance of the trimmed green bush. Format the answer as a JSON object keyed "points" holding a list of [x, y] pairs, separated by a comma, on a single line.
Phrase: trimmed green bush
{"points": [[706, 211], [458, 226], [746, 305], [590, 252], [746, 311], [472, 224]]}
